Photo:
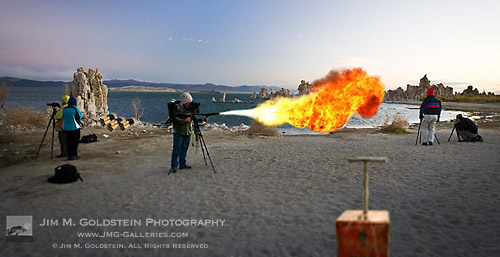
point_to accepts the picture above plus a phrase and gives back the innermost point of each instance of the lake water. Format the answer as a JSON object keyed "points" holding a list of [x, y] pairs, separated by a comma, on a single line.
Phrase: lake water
{"points": [[156, 112]]}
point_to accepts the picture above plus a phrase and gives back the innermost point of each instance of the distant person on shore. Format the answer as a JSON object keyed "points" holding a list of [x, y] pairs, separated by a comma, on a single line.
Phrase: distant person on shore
{"points": [[467, 130], [182, 124], [72, 126], [60, 127], [430, 112]]}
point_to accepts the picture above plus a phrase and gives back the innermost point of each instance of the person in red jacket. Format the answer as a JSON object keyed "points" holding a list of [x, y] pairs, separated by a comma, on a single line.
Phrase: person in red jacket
{"points": [[430, 111]]}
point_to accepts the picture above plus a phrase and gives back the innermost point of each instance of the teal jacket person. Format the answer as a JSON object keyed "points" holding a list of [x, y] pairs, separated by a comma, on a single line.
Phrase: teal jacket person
{"points": [[72, 125]]}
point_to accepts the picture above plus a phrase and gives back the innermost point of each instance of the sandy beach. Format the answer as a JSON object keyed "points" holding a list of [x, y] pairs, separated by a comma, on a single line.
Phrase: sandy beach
{"points": [[271, 196]]}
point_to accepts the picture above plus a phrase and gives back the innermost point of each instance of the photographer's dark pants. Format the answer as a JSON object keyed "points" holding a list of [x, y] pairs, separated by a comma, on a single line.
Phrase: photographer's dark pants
{"points": [[72, 140], [179, 151], [466, 135], [62, 142]]}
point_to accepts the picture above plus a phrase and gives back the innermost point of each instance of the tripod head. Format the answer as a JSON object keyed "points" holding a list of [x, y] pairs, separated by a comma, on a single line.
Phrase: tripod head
{"points": [[54, 105]]}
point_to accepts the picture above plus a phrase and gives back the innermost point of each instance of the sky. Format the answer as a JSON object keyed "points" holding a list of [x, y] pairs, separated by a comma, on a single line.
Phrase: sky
{"points": [[254, 42]]}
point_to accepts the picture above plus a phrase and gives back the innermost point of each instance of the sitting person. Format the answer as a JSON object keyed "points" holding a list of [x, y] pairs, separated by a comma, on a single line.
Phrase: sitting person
{"points": [[467, 130]]}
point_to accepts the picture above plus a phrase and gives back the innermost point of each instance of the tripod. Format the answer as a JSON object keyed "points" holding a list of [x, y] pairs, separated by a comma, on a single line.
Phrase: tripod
{"points": [[51, 121], [199, 136], [418, 132], [419, 135], [458, 136]]}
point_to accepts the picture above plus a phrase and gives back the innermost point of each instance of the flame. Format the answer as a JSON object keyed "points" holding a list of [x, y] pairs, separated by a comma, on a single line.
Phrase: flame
{"points": [[330, 104]]}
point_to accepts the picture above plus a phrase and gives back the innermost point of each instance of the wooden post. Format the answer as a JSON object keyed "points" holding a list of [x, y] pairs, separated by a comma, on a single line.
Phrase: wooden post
{"points": [[363, 232]]}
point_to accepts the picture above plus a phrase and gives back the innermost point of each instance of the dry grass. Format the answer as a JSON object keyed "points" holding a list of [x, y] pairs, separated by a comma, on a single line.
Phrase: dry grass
{"points": [[398, 125], [259, 129], [399, 121], [136, 107], [471, 98], [25, 117]]}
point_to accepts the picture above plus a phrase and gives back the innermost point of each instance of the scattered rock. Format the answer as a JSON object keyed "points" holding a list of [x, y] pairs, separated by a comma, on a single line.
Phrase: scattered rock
{"points": [[224, 127], [263, 94]]}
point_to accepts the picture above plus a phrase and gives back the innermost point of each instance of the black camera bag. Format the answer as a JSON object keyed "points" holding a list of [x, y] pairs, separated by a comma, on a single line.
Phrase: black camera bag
{"points": [[65, 174], [172, 107], [89, 139]]}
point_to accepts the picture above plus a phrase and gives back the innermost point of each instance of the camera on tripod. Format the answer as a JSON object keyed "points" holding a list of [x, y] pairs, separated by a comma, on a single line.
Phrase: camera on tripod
{"points": [[54, 104], [194, 108], [53, 122]]}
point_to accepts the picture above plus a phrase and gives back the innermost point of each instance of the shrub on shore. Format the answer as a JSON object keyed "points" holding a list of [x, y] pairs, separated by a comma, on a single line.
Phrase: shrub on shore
{"points": [[136, 107], [25, 117], [397, 126], [259, 129]]}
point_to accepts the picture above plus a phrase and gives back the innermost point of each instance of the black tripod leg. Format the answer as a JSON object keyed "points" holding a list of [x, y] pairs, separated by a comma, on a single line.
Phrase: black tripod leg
{"points": [[52, 145], [208, 154], [203, 151], [418, 132], [199, 136], [45, 134], [451, 134], [436, 138]]}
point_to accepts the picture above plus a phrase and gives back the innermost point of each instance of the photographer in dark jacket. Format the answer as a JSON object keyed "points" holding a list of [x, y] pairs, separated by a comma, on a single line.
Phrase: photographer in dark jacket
{"points": [[430, 111], [467, 130], [182, 124]]}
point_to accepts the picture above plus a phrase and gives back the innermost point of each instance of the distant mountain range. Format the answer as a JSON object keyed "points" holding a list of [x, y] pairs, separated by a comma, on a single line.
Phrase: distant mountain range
{"points": [[115, 83]]}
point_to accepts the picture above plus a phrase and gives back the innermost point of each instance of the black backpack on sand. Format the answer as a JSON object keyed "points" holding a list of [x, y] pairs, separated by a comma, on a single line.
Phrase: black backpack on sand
{"points": [[172, 108], [89, 139], [65, 174]]}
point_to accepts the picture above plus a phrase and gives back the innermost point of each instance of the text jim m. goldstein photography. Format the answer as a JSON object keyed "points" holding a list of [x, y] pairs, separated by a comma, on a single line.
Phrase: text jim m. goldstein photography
{"points": [[148, 222]]}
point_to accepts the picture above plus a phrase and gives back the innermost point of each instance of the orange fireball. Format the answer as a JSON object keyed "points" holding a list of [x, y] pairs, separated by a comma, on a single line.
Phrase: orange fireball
{"points": [[330, 104]]}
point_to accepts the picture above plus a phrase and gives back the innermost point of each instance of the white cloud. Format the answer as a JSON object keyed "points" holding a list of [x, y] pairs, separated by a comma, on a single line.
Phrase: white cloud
{"points": [[26, 72], [192, 39]]}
